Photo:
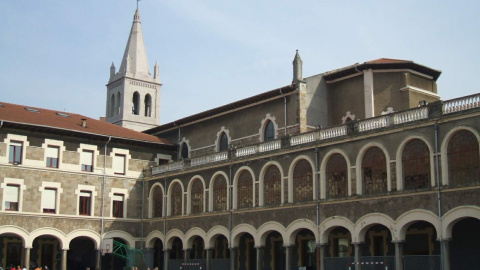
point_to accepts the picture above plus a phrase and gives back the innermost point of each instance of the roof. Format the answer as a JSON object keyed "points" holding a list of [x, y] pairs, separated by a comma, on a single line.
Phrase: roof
{"points": [[225, 108], [381, 63], [31, 116]]}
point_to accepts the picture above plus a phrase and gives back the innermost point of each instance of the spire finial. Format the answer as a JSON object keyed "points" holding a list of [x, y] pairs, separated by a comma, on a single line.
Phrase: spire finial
{"points": [[137, 3]]}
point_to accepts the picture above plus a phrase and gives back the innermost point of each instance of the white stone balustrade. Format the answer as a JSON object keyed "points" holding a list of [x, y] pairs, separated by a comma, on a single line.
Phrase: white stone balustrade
{"points": [[373, 123], [411, 115], [175, 166], [209, 159], [159, 169], [303, 138], [246, 151], [461, 104], [269, 146], [333, 132]]}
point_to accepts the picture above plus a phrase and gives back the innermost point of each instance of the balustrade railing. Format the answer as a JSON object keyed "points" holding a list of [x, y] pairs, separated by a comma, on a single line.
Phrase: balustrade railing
{"points": [[333, 132], [209, 159], [461, 104], [303, 138], [168, 167], [373, 123], [269, 146], [411, 115], [246, 151]]}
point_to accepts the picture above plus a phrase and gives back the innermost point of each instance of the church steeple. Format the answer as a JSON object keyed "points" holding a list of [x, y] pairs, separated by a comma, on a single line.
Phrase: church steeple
{"points": [[133, 94], [297, 68]]}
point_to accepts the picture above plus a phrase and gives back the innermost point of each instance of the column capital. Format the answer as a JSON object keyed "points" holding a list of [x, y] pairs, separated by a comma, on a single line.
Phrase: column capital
{"points": [[398, 241], [357, 243]]}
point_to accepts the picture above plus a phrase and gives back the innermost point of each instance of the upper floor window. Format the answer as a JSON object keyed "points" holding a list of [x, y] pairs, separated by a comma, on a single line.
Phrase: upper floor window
{"points": [[463, 160], [269, 133], [148, 105], [85, 201], [112, 105], [87, 161], [336, 175], [219, 194], [245, 190], [416, 165], [119, 164], [49, 200], [303, 181], [223, 143], [197, 196], [52, 156], [11, 197], [15, 155], [176, 200], [117, 104], [117, 205], [272, 186], [374, 170], [184, 151], [136, 103], [157, 196]]}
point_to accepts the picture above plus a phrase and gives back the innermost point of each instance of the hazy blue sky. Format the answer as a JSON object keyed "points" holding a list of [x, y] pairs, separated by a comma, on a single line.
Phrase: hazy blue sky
{"points": [[57, 54]]}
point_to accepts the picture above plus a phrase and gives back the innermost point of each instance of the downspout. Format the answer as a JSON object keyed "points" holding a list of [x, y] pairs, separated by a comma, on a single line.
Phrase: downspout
{"points": [[165, 261], [103, 188], [317, 190], [285, 112], [143, 205], [1, 124], [230, 217], [439, 201]]}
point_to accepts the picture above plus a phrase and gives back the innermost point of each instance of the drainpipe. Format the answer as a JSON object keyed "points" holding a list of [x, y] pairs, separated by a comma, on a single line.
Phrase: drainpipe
{"points": [[285, 112], [165, 260], [143, 205], [439, 201], [103, 189], [230, 217], [1, 124]]}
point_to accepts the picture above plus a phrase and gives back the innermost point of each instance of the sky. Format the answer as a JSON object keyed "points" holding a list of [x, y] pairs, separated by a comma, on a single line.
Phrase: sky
{"points": [[57, 54]]}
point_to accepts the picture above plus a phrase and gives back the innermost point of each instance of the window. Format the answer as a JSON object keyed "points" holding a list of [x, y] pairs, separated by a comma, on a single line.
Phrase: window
{"points": [[15, 155], [463, 159], [272, 186], [176, 198], [85, 200], [136, 103], [197, 196], [11, 197], [52, 156], [336, 175], [269, 132], [303, 181], [117, 104], [87, 161], [117, 206], [119, 164], [112, 105], [223, 144], [184, 151], [245, 190], [49, 200], [157, 202], [148, 105], [416, 165], [219, 194], [374, 170]]}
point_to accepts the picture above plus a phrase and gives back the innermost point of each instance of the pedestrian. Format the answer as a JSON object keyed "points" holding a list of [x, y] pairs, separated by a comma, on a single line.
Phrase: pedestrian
{"points": [[46, 268]]}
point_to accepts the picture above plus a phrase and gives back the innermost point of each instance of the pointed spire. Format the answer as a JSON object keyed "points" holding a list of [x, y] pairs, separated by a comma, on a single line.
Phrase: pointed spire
{"points": [[135, 61], [112, 71], [297, 68], [155, 72]]}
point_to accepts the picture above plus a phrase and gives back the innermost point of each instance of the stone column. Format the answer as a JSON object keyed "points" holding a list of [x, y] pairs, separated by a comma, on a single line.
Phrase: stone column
{"points": [[98, 260], [148, 255], [27, 258], [446, 254], [288, 258], [186, 257], [398, 255], [209, 259], [358, 255], [260, 251], [166, 257], [321, 256], [64, 259], [233, 258]]}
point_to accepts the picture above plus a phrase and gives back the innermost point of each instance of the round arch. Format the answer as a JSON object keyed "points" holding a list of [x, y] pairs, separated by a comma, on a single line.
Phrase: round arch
{"points": [[192, 233], [290, 176], [152, 236], [262, 182], [212, 235], [235, 184], [444, 149], [367, 221], [189, 192], [121, 234], [241, 229], [296, 226], [331, 223], [211, 187], [94, 236], [169, 196], [264, 122], [399, 154], [150, 199], [20, 232], [455, 215], [358, 164], [48, 231], [267, 228], [171, 235], [323, 168], [406, 219]]}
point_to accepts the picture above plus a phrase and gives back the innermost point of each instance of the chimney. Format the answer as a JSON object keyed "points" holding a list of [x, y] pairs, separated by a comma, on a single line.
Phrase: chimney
{"points": [[84, 122]]}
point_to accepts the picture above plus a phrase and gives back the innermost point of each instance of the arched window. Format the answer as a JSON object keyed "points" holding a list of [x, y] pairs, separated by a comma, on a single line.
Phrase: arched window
{"points": [[148, 105], [136, 103], [112, 105], [302, 181], [269, 132], [337, 177], [220, 194], [272, 186], [463, 162], [245, 190], [184, 151], [176, 200], [374, 171], [117, 104], [416, 165], [157, 197], [223, 142], [197, 196]]}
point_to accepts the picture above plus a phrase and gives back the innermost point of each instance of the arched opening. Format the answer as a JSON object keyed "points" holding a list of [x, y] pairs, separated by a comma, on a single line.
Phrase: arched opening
{"points": [[148, 105], [46, 251], [158, 257], [421, 249], [196, 195], [245, 190], [378, 245], [247, 254], [136, 103], [272, 182], [157, 203], [81, 254], [223, 142], [339, 253], [465, 244], [112, 105], [198, 249], [274, 252], [184, 151], [337, 177], [176, 254], [176, 200], [304, 252], [416, 165], [269, 132], [118, 104], [111, 261], [221, 250], [220, 193], [374, 169], [463, 161], [303, 181], [13, 251]]}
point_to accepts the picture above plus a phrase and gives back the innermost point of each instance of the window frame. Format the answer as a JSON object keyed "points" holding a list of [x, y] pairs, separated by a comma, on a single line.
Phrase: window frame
{"points": [[17, 158], [58, 190], [116, 192], [50, 159], [21, 187]]}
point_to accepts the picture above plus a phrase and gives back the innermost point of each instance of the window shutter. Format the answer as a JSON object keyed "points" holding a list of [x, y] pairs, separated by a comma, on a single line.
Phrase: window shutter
{"points": [[85, 194], [49, 198], [87, 158], [52, 152], [16, 144], [11, 194], [118, 197], [119, 164]]}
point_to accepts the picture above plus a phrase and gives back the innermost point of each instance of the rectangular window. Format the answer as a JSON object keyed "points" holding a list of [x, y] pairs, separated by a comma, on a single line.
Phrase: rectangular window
{"points": [[15, 155], [52, 156], [49, 200], [119, 164], [11, 197], [84, 203], [117, 210], [87, 161]]}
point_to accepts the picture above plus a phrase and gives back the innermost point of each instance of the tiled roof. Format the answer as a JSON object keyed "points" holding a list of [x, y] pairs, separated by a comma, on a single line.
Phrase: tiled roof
{"points": [[70, 121], [387, 61]]}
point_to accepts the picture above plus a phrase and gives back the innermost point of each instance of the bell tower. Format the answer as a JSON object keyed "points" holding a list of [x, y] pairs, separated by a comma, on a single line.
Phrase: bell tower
{"points": [[133, 94]]}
